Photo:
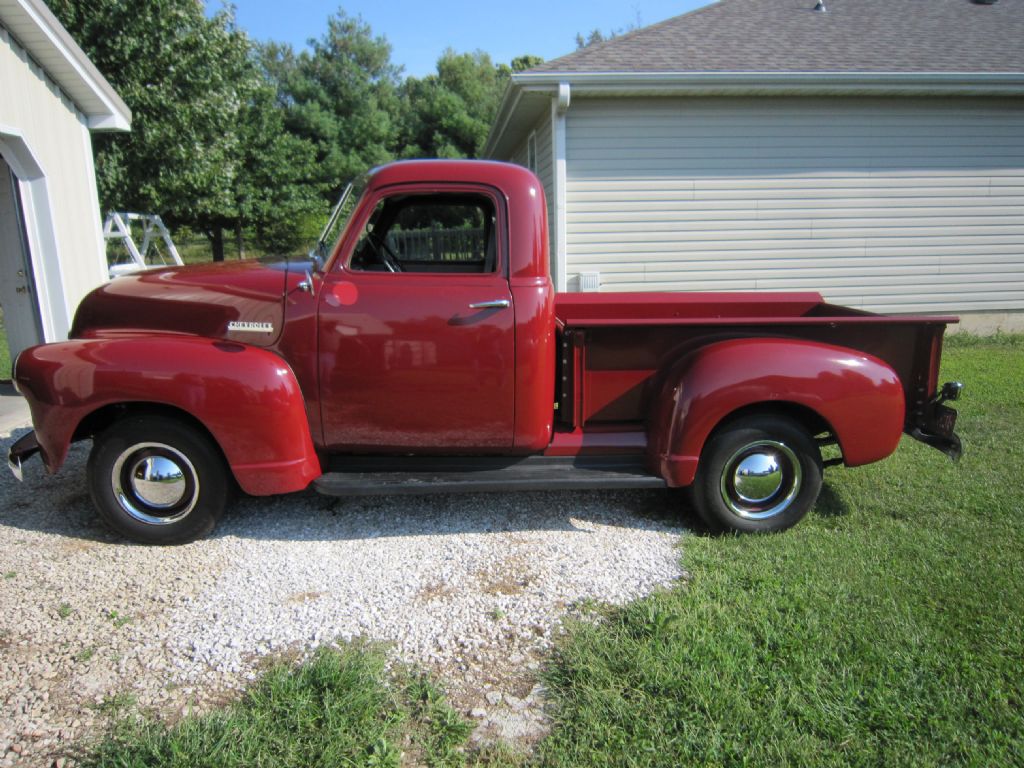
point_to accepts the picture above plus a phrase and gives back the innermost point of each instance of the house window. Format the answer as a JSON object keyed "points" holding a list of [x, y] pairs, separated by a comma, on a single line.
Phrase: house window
{"points": [[531, 152], [448, 233]]}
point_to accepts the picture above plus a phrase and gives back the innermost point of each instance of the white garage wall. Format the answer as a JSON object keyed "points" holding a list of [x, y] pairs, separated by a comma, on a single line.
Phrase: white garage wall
{"points": [[887, 204], [69, 250]]}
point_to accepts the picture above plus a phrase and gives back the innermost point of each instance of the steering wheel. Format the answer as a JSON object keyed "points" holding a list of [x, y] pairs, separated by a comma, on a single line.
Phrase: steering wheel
{"points": [[384, 253]]}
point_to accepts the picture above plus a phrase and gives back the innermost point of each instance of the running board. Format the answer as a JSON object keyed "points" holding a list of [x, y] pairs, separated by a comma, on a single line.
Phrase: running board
{"points": [[407, 476]]}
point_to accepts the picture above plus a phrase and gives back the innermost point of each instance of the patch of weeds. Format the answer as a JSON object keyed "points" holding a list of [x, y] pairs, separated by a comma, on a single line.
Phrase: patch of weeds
{"points": [[341, 707], [498, 755], [64, 610], [85, 654], [588, 606], [436, 729], [117, 704], [337, 709], [384, 754], [118, 619], [10, 574], [497, 614]]}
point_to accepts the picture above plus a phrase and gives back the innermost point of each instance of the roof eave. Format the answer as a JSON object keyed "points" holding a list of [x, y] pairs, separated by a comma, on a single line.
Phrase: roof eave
{"points": [[48, 42], [500, 124], [113, 121], [512, 104]]}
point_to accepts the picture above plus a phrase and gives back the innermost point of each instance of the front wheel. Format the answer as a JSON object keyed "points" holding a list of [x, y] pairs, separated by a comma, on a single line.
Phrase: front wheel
{"points": [[758, 474], [156, 480]]}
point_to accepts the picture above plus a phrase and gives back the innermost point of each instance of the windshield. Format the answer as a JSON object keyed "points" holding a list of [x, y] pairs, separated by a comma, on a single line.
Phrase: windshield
{"points": [[339, 218]]}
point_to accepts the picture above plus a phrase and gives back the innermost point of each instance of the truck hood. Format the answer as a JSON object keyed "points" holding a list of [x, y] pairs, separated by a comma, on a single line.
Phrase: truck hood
{"points": [[237, 300]]}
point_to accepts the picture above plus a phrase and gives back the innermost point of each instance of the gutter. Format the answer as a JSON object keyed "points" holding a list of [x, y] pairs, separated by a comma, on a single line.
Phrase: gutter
{"points": [[773, 83]]}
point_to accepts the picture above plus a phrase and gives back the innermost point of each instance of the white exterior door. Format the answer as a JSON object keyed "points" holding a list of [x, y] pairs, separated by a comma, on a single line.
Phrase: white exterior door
{"points": [[17, 286]]}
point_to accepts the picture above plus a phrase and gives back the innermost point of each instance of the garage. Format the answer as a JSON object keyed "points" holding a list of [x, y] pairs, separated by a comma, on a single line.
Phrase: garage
{"points": [[51, 243]]}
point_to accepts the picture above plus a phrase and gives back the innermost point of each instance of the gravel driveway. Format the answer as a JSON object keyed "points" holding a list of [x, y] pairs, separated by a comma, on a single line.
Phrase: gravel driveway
{"points": [[472, 587]]}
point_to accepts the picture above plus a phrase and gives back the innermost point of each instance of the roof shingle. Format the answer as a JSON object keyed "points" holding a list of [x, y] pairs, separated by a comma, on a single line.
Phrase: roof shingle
{"points": [[789, 36]]}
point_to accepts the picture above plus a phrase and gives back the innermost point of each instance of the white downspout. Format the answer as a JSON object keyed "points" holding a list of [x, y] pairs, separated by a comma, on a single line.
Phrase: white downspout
{"points": [[559, 106]]}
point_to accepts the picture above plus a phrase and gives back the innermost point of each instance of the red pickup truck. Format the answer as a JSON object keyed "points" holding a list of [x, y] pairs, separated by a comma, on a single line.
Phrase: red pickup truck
{"points": [[425, 350]]}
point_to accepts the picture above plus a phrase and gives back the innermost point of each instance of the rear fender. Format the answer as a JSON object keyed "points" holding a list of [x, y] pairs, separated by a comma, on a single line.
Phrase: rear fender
{"points": [[248, 399], [857, 395]]}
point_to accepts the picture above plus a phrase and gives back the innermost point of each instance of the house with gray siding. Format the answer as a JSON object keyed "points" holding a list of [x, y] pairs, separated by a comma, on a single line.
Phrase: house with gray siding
{"points": [[51, 242], [868, 149]]}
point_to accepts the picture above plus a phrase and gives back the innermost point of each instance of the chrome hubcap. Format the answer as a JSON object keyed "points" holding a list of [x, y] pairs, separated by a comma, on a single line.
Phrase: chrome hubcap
{"points": [[761, 480], [154, 483], [757, 477], [158, 481]]}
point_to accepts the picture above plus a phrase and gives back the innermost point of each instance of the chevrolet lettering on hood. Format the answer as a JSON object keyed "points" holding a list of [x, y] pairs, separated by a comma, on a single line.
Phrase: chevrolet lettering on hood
{"points": [[242, 326]]}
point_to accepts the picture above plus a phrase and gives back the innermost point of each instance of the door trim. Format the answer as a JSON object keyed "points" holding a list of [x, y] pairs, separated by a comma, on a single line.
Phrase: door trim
{"points": [[40, 233]]}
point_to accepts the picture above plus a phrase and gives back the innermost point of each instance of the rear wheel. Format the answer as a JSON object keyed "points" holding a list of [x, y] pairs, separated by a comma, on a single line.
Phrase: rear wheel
{"points": [[156, 480], [757, 474]]}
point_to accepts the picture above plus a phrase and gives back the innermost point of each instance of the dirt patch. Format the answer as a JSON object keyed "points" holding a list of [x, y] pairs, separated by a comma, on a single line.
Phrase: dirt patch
{"points": [[510, 576], [303, 597], [436, 591]]}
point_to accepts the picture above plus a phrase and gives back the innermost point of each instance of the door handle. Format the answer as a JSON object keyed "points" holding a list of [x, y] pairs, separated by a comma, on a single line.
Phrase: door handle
{"points": [[496, 304]]}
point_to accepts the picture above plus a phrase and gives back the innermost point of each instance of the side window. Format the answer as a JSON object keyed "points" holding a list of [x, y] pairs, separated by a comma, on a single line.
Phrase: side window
{"points": [[451, 233]]}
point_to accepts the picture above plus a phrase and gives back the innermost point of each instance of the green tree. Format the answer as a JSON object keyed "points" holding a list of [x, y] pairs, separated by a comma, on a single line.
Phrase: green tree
{"points": [[195, 92], [525, 62], [341, 96], [449, 114], [276, 194], [597, 36]]}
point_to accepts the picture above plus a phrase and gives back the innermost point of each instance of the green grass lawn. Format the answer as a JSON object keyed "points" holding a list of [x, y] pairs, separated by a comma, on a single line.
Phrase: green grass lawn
{"points": [[887, 629], [339, 709], [5, 353]]}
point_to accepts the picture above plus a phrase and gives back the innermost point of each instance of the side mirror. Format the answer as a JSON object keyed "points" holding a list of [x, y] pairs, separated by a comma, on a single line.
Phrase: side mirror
{"points": [[318, 255], [307, 285]]}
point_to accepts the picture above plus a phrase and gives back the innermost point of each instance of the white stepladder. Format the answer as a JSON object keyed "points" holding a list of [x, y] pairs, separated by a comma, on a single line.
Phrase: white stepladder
{"points": [[130, 257]]}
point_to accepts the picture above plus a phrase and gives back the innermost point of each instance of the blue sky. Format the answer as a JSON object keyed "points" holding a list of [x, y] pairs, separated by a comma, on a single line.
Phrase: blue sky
{"points": [[419, 31]]}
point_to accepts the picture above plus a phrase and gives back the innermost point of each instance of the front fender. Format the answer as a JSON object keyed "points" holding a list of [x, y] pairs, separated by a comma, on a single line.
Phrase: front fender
{"points": [[248, 399], [859, 396]]}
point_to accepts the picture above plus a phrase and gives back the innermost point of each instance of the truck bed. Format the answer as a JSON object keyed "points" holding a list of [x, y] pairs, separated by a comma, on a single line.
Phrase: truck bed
{"points": [[611, 367]]}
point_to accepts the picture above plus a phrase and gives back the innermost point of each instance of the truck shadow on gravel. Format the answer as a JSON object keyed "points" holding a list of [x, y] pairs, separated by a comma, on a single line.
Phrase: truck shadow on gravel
{"points": [[309, 516], [60, 505]]}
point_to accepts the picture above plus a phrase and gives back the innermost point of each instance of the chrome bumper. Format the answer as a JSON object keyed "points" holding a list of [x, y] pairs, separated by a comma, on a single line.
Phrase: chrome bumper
{"points": [[24, 448]]}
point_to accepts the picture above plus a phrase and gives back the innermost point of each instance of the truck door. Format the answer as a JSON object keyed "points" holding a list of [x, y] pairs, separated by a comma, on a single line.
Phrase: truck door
{"points": [[416, 326]]}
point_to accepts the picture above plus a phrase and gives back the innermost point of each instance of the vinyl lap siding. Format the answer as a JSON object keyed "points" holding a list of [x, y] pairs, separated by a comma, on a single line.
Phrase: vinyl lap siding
{"points": [[890, 205], [546, 171], [545, 166]]}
